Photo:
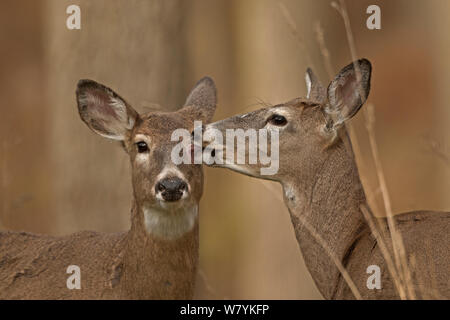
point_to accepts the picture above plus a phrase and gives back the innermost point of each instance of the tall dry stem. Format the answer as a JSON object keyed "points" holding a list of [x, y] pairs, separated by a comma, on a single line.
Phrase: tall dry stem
{"points": [[320, 36], [293, 27], [323, 244], [290, 22], [397, 241], [384, 249]]}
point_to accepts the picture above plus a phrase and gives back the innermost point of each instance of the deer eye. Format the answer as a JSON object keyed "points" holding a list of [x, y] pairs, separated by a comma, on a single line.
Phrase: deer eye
{"points": [[277, 120], [142, 146]]}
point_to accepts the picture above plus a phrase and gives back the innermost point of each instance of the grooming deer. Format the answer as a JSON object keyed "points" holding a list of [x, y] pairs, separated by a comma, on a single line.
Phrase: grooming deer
{"points": [[321, 185], [157, 258]]}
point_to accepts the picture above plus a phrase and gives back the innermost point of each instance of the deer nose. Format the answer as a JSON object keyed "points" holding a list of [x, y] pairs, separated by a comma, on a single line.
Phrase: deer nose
{"points": [[171, 189]]}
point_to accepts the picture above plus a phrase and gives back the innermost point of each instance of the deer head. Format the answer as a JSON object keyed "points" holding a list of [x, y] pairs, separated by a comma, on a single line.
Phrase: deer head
{"points": [[166, 195], [307, 129]]}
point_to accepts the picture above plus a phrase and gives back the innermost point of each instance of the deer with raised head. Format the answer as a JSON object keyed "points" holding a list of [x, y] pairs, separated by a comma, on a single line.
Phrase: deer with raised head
{"points": [[157, 258], [321, 185]]}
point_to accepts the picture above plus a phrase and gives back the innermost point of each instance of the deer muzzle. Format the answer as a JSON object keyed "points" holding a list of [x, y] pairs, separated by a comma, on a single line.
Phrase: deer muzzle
{"points": [[171, 189]]}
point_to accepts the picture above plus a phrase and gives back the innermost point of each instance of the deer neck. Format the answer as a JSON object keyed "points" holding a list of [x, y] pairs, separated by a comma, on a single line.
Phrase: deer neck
{"points": [[328, 198], [155, 268]]}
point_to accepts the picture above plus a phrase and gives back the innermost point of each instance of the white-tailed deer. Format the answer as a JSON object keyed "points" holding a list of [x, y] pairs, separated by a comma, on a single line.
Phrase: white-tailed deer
{"points": [[155, 259], [321, 185]]}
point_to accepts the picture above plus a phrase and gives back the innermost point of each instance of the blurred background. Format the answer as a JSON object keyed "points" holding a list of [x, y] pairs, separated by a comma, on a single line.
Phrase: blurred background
{"points": [[57, 177]]}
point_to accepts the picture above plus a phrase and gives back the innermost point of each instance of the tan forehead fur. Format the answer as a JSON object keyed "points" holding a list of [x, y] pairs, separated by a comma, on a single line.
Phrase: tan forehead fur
{"points": [[162, 124]]}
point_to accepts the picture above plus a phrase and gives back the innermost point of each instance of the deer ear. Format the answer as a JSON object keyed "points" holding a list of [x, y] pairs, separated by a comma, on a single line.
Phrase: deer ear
{"points": [[346, 94], [201, 102], [316, 90], [104, 111]]}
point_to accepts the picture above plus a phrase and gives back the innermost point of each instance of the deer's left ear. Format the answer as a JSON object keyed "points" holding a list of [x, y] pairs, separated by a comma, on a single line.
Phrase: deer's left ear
{"points": [[316, 91], [201, 102], [346, 94]]}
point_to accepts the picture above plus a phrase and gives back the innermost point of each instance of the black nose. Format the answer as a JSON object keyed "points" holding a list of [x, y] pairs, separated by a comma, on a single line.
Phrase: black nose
{"points": [[171, 188]]}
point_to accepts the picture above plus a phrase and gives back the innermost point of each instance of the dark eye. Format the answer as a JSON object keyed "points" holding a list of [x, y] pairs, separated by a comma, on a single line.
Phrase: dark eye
{"points": [[277, 120], [142, 147]]}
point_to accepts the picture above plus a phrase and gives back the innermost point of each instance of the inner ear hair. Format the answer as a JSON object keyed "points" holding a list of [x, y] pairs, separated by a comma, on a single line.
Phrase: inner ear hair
{"points": [[348, 91]]}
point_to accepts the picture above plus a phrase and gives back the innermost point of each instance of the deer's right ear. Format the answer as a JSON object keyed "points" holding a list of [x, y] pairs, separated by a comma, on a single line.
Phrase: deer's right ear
{"points": [[348, 92], [316, 91], [202, 100], [104, 111]]}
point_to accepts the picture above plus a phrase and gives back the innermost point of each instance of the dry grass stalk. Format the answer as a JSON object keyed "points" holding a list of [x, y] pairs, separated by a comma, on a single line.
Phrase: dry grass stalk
{"points": [[328, 66], [324, 50], [372, 195], [342, 9], [323, 244], [399, 270], [397, 241], [376, 231], [332, 256], [290, 22], [293, 27], [352, 145]]}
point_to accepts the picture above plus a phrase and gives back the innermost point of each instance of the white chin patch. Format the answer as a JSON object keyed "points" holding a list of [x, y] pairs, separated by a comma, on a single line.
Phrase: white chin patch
{"points": [[170, 222]]}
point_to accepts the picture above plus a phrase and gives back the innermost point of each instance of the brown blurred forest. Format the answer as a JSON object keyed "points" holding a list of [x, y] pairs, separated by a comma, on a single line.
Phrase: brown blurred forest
{"points": [[57, 177]]}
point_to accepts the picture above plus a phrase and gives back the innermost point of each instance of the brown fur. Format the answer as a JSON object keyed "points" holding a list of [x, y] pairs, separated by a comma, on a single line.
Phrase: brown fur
{"points": [[321, 184], [128, 265], [330, 198]]}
